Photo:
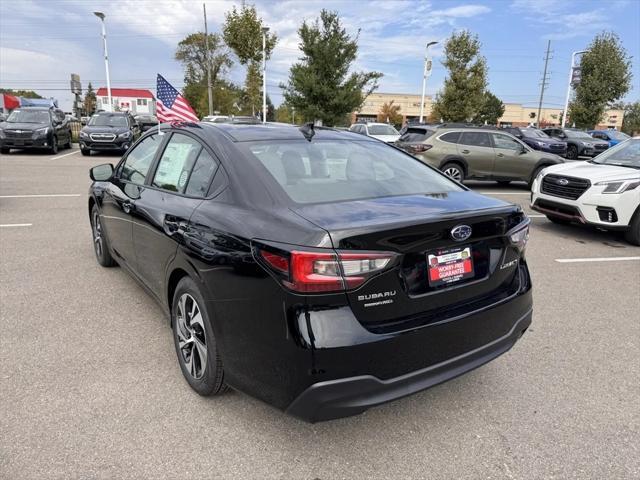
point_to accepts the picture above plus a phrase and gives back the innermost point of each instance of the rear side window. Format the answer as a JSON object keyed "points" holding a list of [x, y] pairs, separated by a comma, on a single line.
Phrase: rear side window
{"points": [[176, 163], [335, 170], [477, 139], [201, 175], [451, 137], [414, 135], [136, 166]]}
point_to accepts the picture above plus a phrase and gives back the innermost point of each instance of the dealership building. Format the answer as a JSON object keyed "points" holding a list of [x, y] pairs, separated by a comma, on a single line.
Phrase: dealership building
{"points": [[515, 114], [134, 100]]}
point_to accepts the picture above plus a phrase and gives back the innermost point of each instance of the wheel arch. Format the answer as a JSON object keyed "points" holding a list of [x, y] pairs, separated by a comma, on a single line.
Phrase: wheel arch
{"points": [[455, 159]]}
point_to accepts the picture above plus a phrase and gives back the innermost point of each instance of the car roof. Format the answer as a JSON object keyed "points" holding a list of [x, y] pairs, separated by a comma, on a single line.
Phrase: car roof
{"points": [[276, 131]]}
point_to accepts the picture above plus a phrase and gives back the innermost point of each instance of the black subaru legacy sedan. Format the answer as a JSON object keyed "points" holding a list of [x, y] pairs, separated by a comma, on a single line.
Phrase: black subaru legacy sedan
{"points": [[321, 271]]}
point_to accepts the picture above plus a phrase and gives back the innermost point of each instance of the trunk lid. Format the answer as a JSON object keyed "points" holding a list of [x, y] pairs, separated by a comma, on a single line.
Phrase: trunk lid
{"points": [[416, 228]]}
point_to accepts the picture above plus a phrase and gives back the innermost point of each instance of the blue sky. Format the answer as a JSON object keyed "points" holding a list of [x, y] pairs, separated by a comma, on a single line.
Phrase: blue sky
{"points": [[42, 42]]}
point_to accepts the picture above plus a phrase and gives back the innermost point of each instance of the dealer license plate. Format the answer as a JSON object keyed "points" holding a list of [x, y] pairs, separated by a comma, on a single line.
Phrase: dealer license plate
{"points": [[449, 266]]}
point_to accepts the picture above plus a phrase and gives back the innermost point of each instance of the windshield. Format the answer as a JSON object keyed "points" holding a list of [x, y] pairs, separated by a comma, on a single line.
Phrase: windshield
{"points": [[578, 134], [29, 116], [625, 154], [534, 133], [339, 170], [382, 130], [108, 121]]}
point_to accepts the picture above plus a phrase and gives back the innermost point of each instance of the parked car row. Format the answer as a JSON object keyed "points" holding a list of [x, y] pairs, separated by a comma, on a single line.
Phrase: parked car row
{"points": [[35, 128]]}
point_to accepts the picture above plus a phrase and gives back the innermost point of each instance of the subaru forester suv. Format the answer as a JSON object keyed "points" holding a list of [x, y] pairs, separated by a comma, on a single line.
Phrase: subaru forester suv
{"points": [[480, 154]]}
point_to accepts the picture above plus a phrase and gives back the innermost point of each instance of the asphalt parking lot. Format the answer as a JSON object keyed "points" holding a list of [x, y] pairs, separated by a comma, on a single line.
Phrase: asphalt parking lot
{"points": [[90, 386]]}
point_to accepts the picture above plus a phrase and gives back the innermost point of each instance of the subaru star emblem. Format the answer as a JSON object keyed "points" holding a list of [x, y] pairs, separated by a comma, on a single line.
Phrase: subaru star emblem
{"points": [[461, 233], [563, 181]]}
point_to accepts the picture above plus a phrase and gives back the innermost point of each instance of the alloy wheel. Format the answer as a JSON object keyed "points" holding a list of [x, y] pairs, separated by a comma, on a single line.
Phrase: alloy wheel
{"points": [[98, 241], [192, 340], [453, 172]]}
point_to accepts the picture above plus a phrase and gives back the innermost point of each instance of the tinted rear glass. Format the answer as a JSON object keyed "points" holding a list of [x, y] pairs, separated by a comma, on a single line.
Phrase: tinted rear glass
{"points": [[451, 137], [413, 135], [333, 171]]}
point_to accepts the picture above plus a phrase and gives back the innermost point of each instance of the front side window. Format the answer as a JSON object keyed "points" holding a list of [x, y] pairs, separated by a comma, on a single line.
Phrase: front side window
{"points": [[502, 141], [477, 139], [335, 170], [136, 166], [176, 163]]}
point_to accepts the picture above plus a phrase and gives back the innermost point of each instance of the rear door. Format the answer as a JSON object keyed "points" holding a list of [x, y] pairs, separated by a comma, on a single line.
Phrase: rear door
{"points": [[476, 149], [121, 193], [510, 161], [162, 212]]}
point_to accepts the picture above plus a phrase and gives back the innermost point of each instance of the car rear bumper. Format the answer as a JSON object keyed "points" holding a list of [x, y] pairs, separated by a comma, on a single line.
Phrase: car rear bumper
{"points": [[349, 396]]}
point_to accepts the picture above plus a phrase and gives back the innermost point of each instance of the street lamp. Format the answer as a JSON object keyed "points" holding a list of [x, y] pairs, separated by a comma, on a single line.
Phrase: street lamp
{"points": [[100, 15], [264, 74], [566, 103], [426, 73]]}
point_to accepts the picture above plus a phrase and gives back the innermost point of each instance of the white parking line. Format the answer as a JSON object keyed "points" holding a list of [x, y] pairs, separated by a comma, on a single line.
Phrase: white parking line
{"points": [[537, 216], [65, 155], [6, 225], [43, 195], [601, 259]]}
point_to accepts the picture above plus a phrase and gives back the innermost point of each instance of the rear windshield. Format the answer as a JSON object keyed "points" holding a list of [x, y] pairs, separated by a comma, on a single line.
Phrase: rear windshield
{"points": [[341, 170], [414, 134], [382, 130]]}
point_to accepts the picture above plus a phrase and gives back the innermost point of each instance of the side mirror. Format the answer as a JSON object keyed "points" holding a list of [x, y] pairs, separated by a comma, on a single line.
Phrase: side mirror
{"points": [[101, 173], [523, 150]]}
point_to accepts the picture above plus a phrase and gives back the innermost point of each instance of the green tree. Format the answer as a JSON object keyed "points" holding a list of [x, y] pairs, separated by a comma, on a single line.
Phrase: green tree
{"points": [[192, 53], [390, 113], [320, 86], [89, 100], [20, 93], [605, 77], [491, 110], [631, 120], [242, 32], [464, 89], [284, 113]]}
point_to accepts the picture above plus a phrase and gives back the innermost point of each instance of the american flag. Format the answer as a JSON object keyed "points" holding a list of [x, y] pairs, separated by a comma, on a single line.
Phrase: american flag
{"points": [[171, 106]]}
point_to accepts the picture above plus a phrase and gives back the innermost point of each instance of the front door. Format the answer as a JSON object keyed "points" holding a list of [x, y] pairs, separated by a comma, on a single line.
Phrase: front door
{"points": [[119, 203], [513, 161], [180, 183]]}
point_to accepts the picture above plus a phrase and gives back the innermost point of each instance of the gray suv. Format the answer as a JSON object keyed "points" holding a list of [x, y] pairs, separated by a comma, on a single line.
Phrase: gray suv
{"points": [[477, 153]]}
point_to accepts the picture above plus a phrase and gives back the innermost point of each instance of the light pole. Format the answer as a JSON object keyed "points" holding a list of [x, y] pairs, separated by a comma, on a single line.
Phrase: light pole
{"points": [[100, 15], [264, 74], [566, 102], [426, 73]]}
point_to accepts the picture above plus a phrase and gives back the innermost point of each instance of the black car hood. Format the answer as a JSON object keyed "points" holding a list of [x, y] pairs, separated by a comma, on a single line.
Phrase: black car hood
{"points": [[22, 126], [104, 129]]}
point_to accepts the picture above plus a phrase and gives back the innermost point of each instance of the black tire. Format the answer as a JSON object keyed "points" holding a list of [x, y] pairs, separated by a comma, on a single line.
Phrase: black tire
{"points": [[100, 241], [572, 152], [68, 144], [54, 146], [558, 220], [205, 377], [633, 234], [85, 152], [504, 183], [5, 150], [453, 170]]}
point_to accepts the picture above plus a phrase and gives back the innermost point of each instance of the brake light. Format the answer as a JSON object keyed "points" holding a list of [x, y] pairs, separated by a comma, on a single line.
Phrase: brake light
{"points": [[519, 235], [421, 147], [314, 272]]}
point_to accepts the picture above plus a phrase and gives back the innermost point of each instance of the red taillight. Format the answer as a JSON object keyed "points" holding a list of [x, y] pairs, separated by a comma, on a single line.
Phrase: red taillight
{"points": [[314, 272], [420, 147]]}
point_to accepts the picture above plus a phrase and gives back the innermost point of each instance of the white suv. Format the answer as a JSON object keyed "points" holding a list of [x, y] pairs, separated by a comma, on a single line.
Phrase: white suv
{"points": [[603, 192], [381, 131]]}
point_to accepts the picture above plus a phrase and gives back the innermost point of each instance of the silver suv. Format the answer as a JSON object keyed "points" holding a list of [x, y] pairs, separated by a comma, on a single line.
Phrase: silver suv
{"points": [[476, 153]]}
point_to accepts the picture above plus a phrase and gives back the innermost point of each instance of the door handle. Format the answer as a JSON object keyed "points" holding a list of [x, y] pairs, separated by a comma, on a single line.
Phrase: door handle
{"points": [[501, 154], [173, 225], [127, 207], [465, 151]]}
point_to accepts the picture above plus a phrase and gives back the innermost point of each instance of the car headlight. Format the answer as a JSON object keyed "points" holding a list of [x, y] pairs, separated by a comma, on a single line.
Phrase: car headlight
{"points": [[542, 144], [620, 186], [84, 134], [42, 131], [125, 135], [1, 133], [587, 144]]}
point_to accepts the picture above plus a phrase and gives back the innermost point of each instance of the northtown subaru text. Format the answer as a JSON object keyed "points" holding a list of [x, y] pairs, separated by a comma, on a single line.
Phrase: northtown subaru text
{"points": [[323, 272]]}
